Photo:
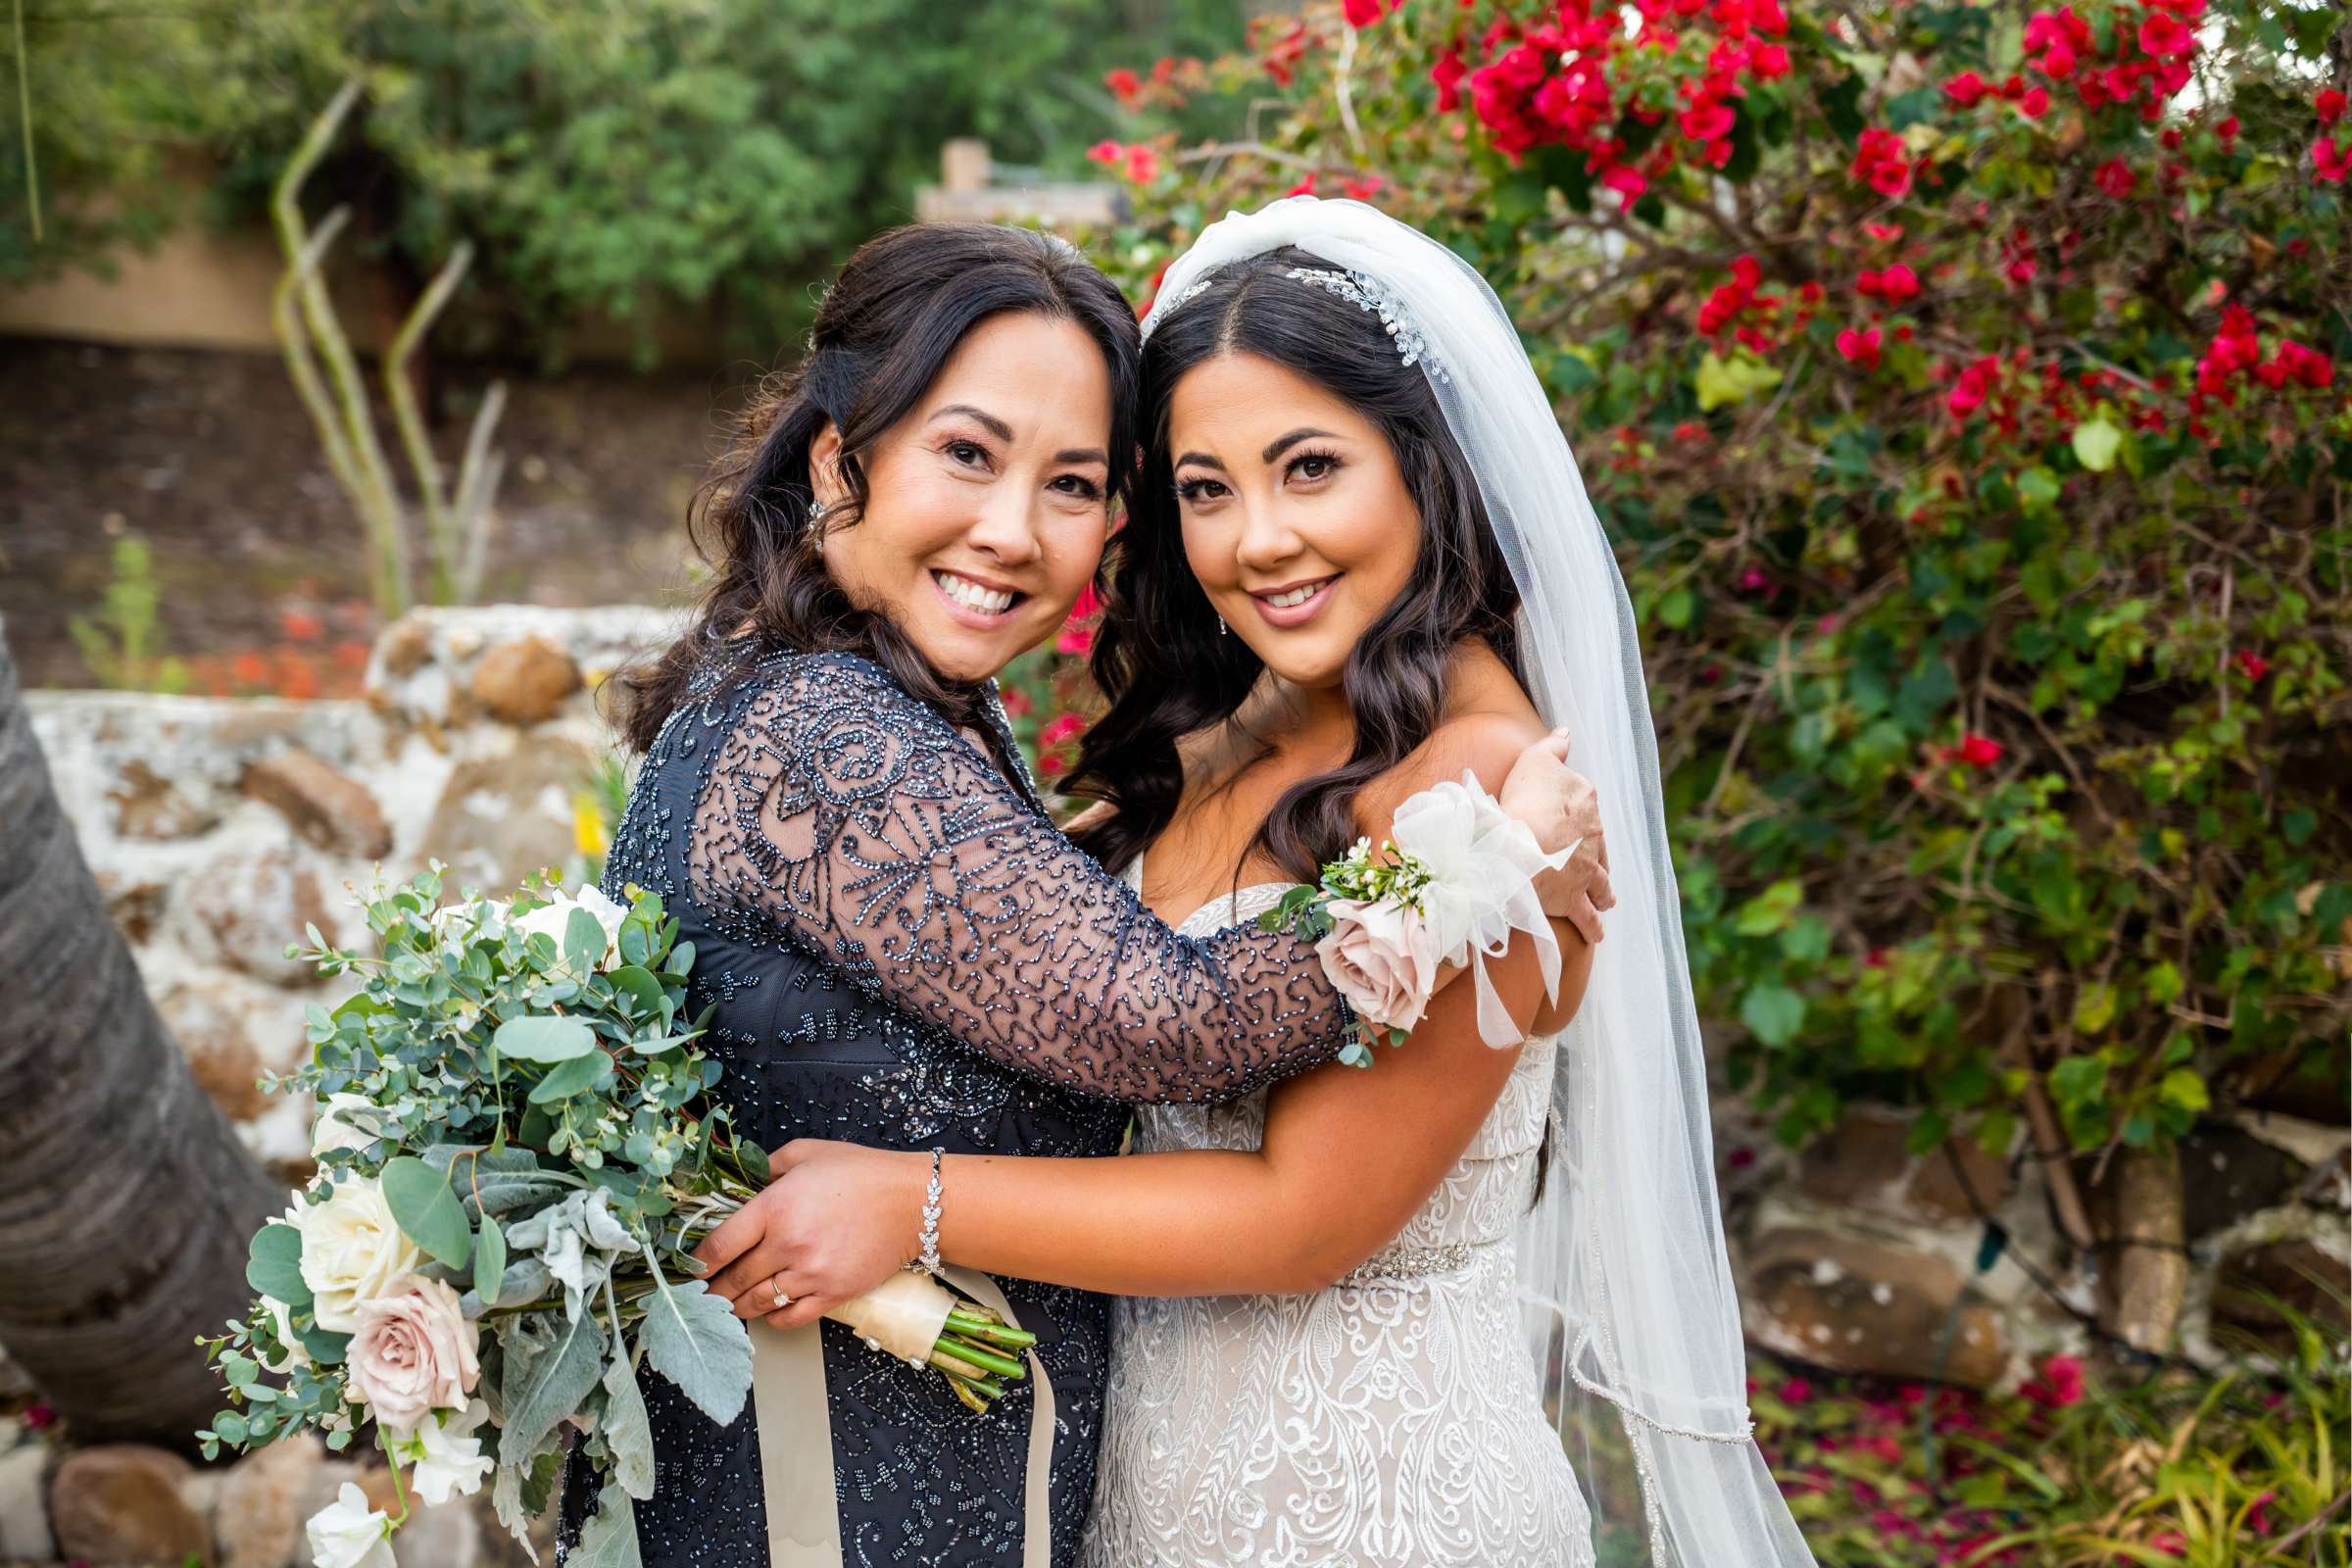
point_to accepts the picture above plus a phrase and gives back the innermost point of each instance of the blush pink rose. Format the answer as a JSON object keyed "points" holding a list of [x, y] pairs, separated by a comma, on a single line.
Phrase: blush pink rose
{"points": [[413, 1353], [1382, 958]]}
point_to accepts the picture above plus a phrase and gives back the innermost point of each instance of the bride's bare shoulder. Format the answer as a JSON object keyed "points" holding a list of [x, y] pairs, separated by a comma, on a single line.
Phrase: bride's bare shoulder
{"points": [[1486, 725]]}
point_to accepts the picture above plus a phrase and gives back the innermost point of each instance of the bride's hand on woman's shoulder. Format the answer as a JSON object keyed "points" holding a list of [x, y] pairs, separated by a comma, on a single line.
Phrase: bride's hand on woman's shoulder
{"points": [[1561, 806], [836, 1220]]}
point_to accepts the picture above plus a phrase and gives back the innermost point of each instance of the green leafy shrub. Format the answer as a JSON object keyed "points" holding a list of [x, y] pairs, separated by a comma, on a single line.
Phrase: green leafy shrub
{"points": [[1959, 382]]}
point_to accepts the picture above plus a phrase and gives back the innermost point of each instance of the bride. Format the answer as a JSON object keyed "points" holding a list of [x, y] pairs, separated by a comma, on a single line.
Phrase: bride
{"points": [[1361, 560]]}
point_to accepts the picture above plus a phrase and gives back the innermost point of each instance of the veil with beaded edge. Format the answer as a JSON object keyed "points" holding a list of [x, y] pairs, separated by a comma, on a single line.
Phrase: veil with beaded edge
{"points": [[1627, 1246]]}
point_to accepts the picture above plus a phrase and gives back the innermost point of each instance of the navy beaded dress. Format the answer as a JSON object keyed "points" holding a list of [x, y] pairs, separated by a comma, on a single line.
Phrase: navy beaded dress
{"points": [[906, 954]]}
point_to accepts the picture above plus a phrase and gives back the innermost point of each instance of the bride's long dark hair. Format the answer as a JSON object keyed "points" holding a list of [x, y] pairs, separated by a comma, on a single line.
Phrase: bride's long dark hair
{"points": [[1159, 657]]}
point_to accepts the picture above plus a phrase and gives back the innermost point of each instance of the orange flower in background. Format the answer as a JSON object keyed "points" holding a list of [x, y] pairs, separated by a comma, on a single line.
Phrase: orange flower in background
{"points": [[300, 626]]}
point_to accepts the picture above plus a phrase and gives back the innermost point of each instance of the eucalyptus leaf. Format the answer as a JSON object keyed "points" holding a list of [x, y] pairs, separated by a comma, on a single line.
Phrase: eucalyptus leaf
{"points": [[641, 988], [426, 1211], [584, 943], [543, 1038], [569, 1078], [274, 1266], [490, 1260]]}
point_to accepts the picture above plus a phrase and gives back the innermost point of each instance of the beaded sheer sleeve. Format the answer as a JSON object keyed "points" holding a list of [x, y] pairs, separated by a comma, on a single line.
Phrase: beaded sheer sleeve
{"points": [[855, 823]]}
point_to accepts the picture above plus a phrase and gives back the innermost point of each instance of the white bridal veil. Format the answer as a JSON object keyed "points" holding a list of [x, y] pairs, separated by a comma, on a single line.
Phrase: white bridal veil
{"points": [[1627, 1246]]}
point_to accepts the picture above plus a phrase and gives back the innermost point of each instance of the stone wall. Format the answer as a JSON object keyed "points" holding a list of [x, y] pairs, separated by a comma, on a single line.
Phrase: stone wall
{"points": [[218, 828]]}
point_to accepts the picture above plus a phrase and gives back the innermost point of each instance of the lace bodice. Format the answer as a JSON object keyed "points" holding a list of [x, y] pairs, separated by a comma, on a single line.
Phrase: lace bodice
{"points": [[1393, 1421]]}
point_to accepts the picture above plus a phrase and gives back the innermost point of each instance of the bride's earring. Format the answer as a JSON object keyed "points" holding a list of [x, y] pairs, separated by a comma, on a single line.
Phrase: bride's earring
{"points": [[816, 526], [1221, 628]]}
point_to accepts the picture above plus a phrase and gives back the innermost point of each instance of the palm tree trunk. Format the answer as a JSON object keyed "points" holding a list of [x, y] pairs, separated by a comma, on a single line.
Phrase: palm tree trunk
{"points": [[125, 1200]]}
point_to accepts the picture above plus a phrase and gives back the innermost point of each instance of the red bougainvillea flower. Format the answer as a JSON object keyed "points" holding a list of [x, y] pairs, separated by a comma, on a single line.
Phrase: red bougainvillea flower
{"points": [[1448, 75], [2258, 1513], [1860, 348], [2330, 160], [1305, 187], [1884, 232], [2164, 34], [1973, 386], [1078, 641], [2330, 105], [1143, 163], [300, 626], [2252, 664], [1123, 83], [1365, 12], [1364, 190], [2059, 1385], [1106, 151], [1753, 580], [1978, 751], [1796, 1390], [1875, 958], [1062, 727], [1881, 161], [1967, 90], [2115, 178], [1016, 701], [1627, 181], [2034, 103], [1894, 286]]}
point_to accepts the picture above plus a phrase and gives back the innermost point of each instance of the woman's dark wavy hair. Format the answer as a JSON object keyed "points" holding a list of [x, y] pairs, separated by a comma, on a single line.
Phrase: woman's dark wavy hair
{"points": [[1159, 659], [903, 303]]}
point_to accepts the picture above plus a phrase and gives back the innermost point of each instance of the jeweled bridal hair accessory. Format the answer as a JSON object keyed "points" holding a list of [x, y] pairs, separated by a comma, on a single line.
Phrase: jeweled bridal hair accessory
{"points": [[1360, 289], [1627, 1246]]}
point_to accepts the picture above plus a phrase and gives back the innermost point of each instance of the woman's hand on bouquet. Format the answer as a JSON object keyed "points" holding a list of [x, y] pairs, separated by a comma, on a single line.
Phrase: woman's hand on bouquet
{"points": [[1561, 807], [835, 1220]]}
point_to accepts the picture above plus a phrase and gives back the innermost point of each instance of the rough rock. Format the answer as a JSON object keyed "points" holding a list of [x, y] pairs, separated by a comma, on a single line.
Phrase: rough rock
{"points": [[1866, 1163], [1852, 1303], [525, 681], [405, 646], [220, 1034], [326, 806], [2143, 1264], [134, 903], [2256, 1285], [23, 1506], [122, 1503], [2228, 1173], [499, 818], [259, 1517], [149, 806], [241, 909]]}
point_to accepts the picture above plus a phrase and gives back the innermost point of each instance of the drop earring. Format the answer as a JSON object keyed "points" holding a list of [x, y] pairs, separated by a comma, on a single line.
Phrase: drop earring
{"points": [[816, 529], [1222, 630]]}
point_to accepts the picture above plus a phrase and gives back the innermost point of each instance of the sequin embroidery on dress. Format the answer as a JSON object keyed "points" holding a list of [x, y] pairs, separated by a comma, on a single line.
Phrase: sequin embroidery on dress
{"points": [[1391, 1421], [906, 954]]}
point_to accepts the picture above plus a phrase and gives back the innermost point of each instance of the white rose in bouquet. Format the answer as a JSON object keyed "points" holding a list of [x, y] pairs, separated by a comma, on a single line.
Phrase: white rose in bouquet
{"points": [[413, 1354], [282, 1319], [344, 1121], [348, 1533], [552, 919], [447, 1458], [352, 1251]]}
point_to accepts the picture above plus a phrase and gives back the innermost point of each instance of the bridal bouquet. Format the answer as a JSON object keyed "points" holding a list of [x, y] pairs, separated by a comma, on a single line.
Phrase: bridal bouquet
{"points": [[517, 1154], [1448, 890]]}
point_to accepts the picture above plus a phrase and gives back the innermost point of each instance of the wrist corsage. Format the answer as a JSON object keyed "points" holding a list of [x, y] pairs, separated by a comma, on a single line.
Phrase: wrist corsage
{"points": [[1450, 888]]}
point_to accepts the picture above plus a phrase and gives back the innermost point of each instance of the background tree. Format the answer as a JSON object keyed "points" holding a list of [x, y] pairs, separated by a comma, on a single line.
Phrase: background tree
{"points": [[125, 1200], [609, 161]]}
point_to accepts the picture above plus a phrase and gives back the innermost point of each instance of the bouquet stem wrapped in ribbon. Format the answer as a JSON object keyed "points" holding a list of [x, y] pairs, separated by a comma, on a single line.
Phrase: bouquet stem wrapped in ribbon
{"points": [[1451, 888], [518, 1154]]}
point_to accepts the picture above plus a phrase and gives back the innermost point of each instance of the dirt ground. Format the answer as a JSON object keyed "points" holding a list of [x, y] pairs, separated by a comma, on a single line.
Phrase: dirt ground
{"points": [[212, 458]]}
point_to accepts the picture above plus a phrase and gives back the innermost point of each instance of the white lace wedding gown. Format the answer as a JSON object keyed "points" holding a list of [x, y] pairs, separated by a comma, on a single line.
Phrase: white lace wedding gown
{"points": [[1391, 1421]]}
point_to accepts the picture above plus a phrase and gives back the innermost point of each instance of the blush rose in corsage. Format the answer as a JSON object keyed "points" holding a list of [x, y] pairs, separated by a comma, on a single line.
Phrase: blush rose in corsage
{"points": [[1453, 883], [517, 1154]]}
